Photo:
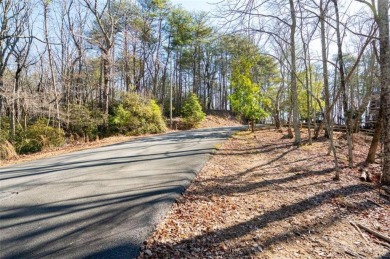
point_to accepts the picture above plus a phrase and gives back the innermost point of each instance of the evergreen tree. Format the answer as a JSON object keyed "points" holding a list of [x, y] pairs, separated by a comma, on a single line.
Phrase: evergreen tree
{"points": [[192, 111], [247, 99]]}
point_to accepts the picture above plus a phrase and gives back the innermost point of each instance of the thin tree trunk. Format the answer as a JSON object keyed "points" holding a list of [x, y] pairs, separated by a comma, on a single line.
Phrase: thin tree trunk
{"points": [[309, 98], [307, 89], [347, 111], [52, 74], [106, 81], [294, 92], [327, 92]]}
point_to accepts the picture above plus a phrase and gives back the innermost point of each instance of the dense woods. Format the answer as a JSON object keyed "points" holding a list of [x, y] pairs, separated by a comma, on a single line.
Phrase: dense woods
{"points": [[87, 69]]}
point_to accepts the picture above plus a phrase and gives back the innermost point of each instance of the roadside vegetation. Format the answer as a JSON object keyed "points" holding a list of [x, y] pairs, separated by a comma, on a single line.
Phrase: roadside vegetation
{"points": [[192, 112], [131, 116]]}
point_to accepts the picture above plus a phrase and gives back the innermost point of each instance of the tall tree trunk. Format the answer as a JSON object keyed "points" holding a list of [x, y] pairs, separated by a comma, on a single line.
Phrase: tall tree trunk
{"points": [[106, 82], [165, 75], [15, 98], [383, 24], [195, 88], [347, 111], [325, 66], [328, 108], [308, 106], [52, 73], [375, 139], [135, 76], [127, 79], [2, 98], [308, 98], [294, 91]]}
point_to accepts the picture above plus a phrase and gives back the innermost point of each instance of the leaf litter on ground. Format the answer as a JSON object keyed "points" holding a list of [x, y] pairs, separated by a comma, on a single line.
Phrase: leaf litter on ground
{"points": [[259, 196]]}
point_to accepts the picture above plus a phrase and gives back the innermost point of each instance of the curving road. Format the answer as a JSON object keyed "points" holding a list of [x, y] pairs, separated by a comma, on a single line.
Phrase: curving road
{"points": [[98, 203]]}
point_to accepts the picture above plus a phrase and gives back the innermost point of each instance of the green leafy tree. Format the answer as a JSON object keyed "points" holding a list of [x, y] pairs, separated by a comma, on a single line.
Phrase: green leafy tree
{"points": [[267, 74], [180, 27], [247, 98], [192, 111]]}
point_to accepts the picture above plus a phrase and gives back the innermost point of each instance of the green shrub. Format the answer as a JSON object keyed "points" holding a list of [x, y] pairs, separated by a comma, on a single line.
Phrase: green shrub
{"points": [[135, 116], [192, 112], [83, 122], [37, 137], [155, 121], [4, 129], [121, 119]]}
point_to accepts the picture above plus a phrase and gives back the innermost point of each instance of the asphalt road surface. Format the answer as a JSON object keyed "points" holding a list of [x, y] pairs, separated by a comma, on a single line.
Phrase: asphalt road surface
{"points": [[98, 203]]}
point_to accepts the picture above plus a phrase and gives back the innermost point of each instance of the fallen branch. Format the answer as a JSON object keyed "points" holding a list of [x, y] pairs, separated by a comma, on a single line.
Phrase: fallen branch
{"points": [[375, 203], [375, 233], [360, 232], [365, 176], [382, 243], [351, 253]]}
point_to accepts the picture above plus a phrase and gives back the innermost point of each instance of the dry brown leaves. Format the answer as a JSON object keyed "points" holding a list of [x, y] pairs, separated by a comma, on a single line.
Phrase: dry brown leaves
{"points": [[261, 197]]}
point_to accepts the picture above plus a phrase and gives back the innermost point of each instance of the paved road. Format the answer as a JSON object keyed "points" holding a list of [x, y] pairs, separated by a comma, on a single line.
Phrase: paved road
{"points": [[98, 203]]}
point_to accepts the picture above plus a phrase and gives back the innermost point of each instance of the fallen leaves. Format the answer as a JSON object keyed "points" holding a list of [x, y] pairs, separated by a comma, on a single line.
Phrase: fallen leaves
{"points": [[260, 197]]}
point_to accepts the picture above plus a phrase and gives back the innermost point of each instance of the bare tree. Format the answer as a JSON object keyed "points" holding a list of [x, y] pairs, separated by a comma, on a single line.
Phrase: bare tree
{"points": [[104, 38], [51, 62], [21, 54], [14, 15]]}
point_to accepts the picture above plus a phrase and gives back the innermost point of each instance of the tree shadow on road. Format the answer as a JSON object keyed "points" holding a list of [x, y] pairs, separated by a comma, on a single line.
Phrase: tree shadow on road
{"points": [[111, 224], [84, 225]]}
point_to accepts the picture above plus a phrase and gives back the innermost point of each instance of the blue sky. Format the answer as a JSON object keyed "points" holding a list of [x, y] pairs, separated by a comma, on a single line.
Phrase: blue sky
{"points": [[196, 5]]}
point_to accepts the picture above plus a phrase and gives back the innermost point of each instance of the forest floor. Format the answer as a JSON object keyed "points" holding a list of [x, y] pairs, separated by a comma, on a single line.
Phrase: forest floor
{"points": [[210, 121], [259, 196]]}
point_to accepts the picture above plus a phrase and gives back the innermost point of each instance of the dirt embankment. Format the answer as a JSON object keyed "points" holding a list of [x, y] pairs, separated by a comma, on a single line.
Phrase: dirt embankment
{"points": [[212, 121]]}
